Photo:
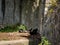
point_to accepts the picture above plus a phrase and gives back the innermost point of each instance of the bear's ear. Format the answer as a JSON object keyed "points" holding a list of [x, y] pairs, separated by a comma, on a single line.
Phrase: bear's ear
{"points": [[30, 29], [36, 29]]}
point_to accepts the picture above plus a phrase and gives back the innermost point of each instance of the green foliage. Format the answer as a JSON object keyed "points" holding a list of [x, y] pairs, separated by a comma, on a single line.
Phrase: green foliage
{"points": [[23, 27], [8, 29], [53, 2], [51, 10], [12, 28], [45, 41]]}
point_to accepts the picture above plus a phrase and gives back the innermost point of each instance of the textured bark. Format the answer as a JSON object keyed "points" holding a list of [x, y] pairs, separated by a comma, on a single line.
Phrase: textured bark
{"points": [[1, 15], [35, 14], [26, 12], [9, 10], [17, 11], [30, 10], [41, 15], [51, 25], [3, 9]]}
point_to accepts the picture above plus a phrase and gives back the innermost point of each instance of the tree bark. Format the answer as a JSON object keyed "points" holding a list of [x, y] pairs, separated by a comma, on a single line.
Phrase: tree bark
{"points": [[1, 14], [17, 8], [9, 10], [41, 15]]}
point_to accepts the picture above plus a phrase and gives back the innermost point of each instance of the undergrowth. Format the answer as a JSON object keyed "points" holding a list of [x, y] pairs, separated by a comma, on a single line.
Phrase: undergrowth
{"points": [[45, 41], [13, 28]]}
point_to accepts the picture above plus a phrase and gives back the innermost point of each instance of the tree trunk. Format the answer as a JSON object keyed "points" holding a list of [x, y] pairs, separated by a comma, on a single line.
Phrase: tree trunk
{"points": [[26, 12], [41, 15], [17, 11], [9, 11], [1, 14]]}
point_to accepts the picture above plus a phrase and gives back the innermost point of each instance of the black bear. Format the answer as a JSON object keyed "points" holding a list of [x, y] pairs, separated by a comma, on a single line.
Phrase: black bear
{"points": [[35, 34], [33, 31]]}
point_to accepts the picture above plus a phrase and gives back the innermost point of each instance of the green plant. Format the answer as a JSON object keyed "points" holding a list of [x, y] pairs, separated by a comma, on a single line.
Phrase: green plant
{"points": [[10, 28], [13, 28], [23, 27], [45, 41]]}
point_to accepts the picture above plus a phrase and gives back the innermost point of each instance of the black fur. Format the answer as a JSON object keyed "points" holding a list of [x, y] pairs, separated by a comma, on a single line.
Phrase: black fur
{"points": [[33, 31]]}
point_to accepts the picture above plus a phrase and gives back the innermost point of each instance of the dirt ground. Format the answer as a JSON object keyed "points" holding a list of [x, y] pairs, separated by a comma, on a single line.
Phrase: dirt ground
{"points": [[13, 36]]}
